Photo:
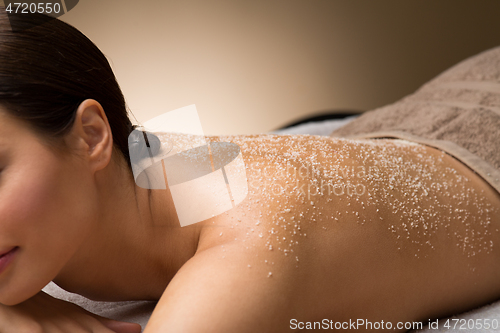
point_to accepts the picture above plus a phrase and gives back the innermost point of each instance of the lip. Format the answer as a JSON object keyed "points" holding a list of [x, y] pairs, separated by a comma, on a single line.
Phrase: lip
{"points": [[7, 250], [6, 258]]}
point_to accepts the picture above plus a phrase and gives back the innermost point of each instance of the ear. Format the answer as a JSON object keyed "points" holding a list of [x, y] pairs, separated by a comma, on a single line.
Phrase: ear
{"points": [[91, 134]]}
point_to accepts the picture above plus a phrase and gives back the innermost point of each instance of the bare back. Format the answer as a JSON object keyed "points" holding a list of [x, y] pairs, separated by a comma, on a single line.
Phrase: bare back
{"points": [[340, 229]]}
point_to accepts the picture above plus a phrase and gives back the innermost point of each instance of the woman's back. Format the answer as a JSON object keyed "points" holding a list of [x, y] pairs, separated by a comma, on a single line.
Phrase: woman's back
{"points": [[343, 230]]}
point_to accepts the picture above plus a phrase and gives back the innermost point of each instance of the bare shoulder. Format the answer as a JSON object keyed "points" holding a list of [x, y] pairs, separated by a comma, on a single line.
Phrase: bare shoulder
{"points": [[224, 291]]}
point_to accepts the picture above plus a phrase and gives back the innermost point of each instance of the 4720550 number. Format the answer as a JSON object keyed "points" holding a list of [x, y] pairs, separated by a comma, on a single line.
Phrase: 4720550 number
{"points": [[469, 324], [40, 7]]}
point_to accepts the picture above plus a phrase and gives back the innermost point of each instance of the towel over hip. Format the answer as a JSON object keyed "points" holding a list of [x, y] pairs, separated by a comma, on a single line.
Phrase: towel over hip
{"points": [[457, 112]]}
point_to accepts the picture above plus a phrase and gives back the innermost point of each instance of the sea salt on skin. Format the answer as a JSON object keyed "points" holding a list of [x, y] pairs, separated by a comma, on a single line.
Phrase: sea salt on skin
{"points": [[375, 229], [306, 176]]}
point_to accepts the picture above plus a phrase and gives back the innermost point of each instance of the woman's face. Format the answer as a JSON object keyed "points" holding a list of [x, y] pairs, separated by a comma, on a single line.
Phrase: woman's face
{"points": [[45, 209]]}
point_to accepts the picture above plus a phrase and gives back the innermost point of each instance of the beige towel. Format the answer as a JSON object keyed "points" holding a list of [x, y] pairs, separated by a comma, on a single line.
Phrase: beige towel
{"points": [[457, 112]]}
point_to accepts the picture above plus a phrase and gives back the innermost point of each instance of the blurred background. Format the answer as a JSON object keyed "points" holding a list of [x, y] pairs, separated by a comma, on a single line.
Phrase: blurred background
{"points": [[254, 66]]}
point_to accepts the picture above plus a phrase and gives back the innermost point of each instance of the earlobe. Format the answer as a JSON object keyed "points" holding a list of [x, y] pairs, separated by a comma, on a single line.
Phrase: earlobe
{"points": [[92, 129]]}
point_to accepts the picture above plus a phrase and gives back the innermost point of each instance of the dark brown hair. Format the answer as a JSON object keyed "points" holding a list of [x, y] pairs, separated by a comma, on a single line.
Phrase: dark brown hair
{"points": [[47, 68]]}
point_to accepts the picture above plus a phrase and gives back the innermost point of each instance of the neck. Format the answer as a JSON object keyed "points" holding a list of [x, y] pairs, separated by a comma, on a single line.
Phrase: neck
{"points": [[137, 244]]}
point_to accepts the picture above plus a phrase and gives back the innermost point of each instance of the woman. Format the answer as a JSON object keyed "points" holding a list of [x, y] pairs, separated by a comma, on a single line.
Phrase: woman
{"points": [[332, 231]]}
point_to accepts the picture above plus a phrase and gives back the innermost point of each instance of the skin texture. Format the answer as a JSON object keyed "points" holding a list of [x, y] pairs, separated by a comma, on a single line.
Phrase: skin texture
{"points": [[355, 258], [80, 220]]}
